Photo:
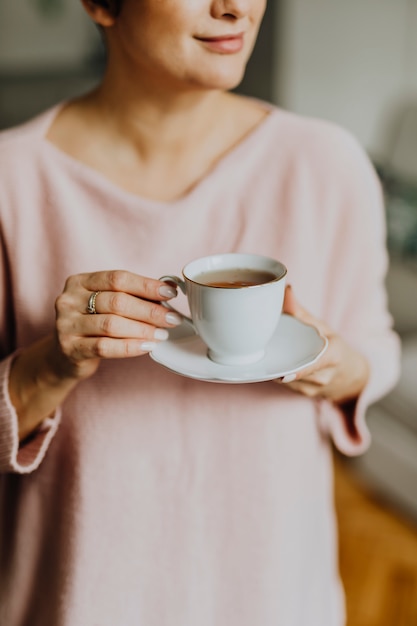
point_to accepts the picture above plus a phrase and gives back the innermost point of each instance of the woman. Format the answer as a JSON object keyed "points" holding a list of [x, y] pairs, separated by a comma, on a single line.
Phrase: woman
{"points": [[131, 495]]}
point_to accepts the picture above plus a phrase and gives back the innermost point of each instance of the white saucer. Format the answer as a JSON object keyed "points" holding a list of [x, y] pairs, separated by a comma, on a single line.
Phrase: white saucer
{"points": [[294, 346]]}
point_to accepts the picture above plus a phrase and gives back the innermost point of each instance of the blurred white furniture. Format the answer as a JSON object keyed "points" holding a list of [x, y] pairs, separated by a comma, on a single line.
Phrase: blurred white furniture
{"points": [[390, 465]]}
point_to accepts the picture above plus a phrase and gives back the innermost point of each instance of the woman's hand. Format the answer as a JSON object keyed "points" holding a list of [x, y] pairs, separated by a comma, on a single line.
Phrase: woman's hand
{"points": [[339, 375], [128, 319], [128, 322]]}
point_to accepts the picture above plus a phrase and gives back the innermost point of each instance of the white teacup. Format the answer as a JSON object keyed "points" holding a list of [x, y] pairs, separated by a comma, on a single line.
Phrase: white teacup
{"points": [[235, 302]]}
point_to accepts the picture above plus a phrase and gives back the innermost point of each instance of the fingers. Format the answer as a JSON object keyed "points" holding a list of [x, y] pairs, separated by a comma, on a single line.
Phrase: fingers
{"points": [[119, 327], [128, 319], [85, 348], [111, 304], [323, 368], [310, 390], [313, 379], [128, 283], [142, 306], [334, 374], [292, 307], [320, 377]]}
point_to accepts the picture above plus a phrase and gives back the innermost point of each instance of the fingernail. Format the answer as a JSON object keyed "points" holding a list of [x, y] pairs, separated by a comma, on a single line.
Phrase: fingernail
{"points": [[289, 379], [148, 346], [173, 318], [161, 334], [167, 291]]}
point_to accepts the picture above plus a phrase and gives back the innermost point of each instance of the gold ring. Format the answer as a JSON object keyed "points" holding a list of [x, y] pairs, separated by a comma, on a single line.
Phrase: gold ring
{"points": [[91, 306]]}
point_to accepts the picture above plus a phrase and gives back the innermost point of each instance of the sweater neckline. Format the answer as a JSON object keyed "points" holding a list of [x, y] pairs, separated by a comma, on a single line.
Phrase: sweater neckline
{"points": [[94, 178]]}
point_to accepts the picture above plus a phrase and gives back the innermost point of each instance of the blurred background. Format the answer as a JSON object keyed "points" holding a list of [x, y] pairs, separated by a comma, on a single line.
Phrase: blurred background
{"points": [[354, 63]]}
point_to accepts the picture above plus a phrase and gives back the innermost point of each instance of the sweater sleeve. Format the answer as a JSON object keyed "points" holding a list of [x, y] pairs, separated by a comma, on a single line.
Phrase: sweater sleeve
{"points": [[26, 456], [357, 296]]}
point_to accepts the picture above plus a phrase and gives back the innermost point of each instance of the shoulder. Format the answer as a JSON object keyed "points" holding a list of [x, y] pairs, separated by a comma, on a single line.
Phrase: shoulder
{"points": [[306, 139], [326, 167], [21, 140], [22, 160], [321, 150], [23, 163], [311, 136]]}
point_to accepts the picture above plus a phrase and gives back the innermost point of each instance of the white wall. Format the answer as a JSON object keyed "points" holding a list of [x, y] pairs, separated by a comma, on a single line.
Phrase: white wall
{"points": [[351, 61]]}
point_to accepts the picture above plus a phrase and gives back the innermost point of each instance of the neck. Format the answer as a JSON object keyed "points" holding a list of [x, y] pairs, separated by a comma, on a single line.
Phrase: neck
{"points": [[141, 134], [155, 116]]}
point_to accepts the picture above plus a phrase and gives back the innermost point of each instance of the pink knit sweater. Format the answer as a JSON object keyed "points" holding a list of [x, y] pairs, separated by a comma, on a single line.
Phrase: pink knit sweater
{"points": [[150, 499]]}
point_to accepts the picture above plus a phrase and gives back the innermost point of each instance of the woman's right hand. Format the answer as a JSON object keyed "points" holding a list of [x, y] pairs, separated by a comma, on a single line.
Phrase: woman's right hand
{"points": [[128, 322], [129, 319]]}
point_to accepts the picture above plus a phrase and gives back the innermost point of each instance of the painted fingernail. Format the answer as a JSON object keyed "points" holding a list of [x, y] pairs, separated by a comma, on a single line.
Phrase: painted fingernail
{"points": [[289, 379], [167, 291], [161, 334], [148, 346], [173, 318]]}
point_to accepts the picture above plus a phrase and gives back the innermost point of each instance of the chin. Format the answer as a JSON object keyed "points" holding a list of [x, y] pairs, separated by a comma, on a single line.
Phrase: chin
{"points": [[223, 81]]}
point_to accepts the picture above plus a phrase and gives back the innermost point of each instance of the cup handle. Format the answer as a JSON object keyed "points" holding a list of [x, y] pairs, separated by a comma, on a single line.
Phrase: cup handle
{"points": [[178, 282]]}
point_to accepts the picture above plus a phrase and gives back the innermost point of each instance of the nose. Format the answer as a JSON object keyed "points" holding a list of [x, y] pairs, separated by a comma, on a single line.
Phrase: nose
{"points": [[232, 9]]}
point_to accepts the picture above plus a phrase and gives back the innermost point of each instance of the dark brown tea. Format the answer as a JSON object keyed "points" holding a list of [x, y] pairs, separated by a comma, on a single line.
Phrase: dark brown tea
{"points": [[235, 278]]}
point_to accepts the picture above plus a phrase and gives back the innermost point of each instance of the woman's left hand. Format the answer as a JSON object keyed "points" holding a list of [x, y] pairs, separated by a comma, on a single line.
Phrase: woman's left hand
{"points": [[339, 375]]}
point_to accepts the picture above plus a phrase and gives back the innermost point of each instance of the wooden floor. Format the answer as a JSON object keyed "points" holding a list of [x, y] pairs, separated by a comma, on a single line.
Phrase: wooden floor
{"points": [[378, 556]]}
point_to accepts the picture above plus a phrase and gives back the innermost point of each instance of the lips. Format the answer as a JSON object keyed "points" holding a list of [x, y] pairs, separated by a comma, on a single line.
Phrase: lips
{"points": [[225, 44]]}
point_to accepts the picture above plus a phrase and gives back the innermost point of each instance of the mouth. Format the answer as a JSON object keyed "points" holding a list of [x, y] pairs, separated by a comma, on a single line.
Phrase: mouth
{"points": [[224, 44]]}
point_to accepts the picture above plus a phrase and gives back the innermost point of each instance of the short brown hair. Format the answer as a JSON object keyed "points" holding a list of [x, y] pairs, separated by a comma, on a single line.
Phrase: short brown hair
{"points": [[113, 6]]}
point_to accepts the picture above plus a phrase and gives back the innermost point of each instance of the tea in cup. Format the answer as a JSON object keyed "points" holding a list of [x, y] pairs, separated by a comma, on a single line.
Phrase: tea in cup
{"points": [[235, 301]]}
